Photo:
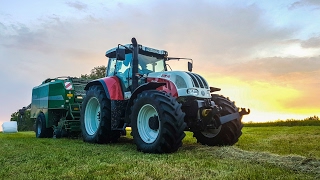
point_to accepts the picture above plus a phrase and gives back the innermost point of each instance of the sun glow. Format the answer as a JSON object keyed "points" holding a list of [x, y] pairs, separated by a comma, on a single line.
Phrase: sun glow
{"points": [[258, 116], [267, 101]]}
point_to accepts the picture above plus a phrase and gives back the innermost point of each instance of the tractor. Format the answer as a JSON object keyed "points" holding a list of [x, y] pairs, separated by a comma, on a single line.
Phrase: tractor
{"points": [[159, 105]]}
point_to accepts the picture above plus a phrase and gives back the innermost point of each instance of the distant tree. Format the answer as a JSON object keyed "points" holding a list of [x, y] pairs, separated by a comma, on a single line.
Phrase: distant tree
{"points": [[25, 123], [96, 73], [14, 116], [312, 118]]}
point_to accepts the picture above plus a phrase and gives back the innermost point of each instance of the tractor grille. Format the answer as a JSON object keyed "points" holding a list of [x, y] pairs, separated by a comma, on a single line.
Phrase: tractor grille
{"points": [[198, 81]]}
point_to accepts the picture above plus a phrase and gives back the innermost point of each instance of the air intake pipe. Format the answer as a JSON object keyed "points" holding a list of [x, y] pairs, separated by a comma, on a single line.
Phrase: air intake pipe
{"points": [[135, 62]]}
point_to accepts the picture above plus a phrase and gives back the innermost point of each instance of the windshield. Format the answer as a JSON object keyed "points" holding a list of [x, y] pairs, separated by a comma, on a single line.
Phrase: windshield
{"points": [[149, 64], [123, 69]]}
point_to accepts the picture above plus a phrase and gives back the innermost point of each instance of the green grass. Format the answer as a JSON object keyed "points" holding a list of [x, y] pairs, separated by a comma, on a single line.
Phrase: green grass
{"points": [[298, 140], [258, 155]]}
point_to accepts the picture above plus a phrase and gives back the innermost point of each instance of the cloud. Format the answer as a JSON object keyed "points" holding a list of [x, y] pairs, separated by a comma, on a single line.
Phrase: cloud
{"points": [[24, 38], [277, 66], [313, 42], [77, 5], [303, 3], [217, 31], [296, 5], [2, 26]]}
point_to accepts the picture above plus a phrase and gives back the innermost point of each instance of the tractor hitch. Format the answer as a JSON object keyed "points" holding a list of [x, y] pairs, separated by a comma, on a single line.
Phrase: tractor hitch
{"points": [[237, 115], [244, 112]]}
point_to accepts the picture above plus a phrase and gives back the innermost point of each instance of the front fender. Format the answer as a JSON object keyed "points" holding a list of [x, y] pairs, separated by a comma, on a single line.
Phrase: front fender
{"points": [[111, 86]]}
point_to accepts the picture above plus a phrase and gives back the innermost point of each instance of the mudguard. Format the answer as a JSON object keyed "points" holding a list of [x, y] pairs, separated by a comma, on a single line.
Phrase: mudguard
{"points": [[111, 86], [113, 91]]}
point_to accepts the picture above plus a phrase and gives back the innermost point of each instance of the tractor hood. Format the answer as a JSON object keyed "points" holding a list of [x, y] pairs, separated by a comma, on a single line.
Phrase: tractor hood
{"points": [[187, 83]]}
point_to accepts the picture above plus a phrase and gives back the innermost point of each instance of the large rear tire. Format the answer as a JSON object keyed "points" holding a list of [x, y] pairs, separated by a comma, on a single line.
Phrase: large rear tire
{"points": [[96, 117], [157, 122], [226, 134], [41, 130]]}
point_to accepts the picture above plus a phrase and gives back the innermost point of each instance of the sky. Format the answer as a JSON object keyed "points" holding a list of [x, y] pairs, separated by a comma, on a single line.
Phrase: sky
{"points": [[264, 55]]}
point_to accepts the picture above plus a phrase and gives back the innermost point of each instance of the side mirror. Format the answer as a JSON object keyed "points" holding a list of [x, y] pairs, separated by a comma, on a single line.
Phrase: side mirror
{"points": [[189, 66], [121, 54]]}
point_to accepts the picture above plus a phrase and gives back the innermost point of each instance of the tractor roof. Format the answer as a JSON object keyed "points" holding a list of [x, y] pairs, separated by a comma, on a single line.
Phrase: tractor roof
{"points": [[142, 50]]}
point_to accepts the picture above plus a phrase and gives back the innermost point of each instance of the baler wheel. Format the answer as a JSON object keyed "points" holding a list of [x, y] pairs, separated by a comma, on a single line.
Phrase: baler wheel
{"points": [[41, 130], [157, 122], [226, 134]]}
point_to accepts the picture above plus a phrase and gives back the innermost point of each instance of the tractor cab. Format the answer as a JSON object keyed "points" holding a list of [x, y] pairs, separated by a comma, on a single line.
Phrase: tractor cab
{"points": [[121, 63]]}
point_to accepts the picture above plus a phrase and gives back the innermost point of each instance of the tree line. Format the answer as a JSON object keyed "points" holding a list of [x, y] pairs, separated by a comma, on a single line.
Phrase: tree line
{"points": [[310, 121]]}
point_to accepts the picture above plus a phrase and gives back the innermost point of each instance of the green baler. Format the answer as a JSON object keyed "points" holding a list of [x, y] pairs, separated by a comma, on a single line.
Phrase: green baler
{"points": [[55, 106]]}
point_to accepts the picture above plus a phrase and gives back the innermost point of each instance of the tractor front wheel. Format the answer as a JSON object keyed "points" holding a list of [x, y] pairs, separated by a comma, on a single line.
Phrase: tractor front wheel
{"points": [[157, 122], [226, 134]]}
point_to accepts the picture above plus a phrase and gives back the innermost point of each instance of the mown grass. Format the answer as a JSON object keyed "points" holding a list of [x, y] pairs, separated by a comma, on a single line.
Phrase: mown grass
{"points": [[22, 156], [298, 140]]}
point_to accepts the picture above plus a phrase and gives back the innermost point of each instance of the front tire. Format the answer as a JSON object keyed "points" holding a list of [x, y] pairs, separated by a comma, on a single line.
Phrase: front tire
{"points": [[226, 134], [157, 122], [96, 117]]}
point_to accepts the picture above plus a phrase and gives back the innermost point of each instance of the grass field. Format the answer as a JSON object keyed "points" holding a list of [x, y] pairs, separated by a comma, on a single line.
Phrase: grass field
{"points": [[261, 153]]}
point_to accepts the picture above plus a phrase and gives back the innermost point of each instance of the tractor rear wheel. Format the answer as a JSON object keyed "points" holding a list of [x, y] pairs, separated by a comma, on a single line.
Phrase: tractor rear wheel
{"points": [[96, 117], [226, 134], [157, 122], [41, 130]]}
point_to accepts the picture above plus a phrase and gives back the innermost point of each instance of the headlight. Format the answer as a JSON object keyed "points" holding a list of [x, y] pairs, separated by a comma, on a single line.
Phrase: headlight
{"points": [[193, 92]]}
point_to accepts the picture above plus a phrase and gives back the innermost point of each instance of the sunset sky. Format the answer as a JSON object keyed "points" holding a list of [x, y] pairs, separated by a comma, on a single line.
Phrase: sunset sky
{"points": [[265, 55]]}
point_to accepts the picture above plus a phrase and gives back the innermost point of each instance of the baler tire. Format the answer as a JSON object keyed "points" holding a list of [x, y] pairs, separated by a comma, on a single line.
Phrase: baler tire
{"points": [[41, 130], [58, 133], [161, 111], [229, 132], [95, 130]]}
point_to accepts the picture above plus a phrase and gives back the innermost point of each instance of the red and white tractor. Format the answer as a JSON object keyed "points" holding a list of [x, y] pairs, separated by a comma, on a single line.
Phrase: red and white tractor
{"points": [[159, 105]]}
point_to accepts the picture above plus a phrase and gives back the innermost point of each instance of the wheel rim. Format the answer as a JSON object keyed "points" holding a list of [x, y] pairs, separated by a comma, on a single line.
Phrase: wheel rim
{"points": [[39, 127], [147, 134], [92, 116], [210, 133]]}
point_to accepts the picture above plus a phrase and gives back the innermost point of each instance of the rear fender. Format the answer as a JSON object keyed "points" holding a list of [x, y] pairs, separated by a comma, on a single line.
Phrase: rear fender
{"points": [[111, 86], [113, 90], [143, 87]]}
